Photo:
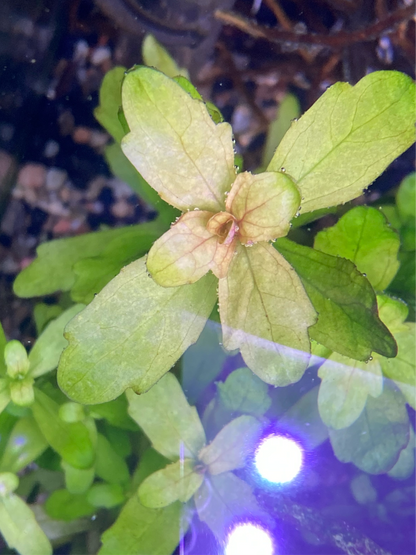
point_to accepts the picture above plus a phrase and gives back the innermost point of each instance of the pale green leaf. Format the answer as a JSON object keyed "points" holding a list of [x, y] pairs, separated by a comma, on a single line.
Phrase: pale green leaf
{"points": [[266, 313], [149, 462], [15, 357], [374, 441], [45, 354], [287, 111], [124, 170], [348, 138], [155, 55], [363, 236], [406, 200], [19, 527], [109, 465], [405, 465], [131, 334], [190, 89], [163, 413], [345, 301], [346, 384], [25, 444], [110, 102], [263, 205], [71, 440], [174, 143], [393, 312], [223, 499], [140, 531], [176, 482], [363, 490], [244, 392], [77, 480], [189, 250], [232, 445]]}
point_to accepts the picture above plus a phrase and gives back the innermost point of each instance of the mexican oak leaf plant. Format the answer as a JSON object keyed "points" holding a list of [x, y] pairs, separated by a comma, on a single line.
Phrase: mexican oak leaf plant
{"points": [[222, 246]]}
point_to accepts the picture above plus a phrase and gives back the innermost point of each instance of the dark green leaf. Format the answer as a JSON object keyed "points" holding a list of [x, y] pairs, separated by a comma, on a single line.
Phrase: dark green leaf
{"points": [[348, 322], [3, 342], [71, 440], [109, 466], [115, 412], [43, 313], [62, 505], [363, 236], [374, 441]]}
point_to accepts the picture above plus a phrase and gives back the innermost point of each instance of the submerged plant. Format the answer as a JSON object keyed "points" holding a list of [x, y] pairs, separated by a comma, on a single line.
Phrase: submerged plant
{"points": [[139, 325]]}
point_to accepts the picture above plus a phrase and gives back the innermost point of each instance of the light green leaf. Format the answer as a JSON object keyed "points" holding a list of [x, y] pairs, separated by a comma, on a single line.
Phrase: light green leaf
{"points": [[288, 110], [77, 480], [150, 461], [176, 482], [346, 384], [202, 362], [21, 391], [106, 495], [348, 138], [45, 354], [406, 200], [141, 531], [63, 505], [15, 357], [59, 529], [263, 205], [169, 422], [131, 334], [193, 92], [52, 270], [224, 498], [345, 301], [174, 143], [363, 236], [189, 250], [244, 392], [405, 465], [110, 102], [402, 369], [374, 441], [124, 170], [266, 314], [19, 527], [25, 444], [4, 394], [155, 55], [71, 440], [232, 445], [109, 465], [393, 312]]}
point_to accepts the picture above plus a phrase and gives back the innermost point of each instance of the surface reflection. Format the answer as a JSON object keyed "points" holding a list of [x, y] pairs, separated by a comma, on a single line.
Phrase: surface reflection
{"points": [[278, 459], [247, 538]]}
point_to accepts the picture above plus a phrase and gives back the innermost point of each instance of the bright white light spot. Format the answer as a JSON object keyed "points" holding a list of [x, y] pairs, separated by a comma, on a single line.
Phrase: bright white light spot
{"points": [[278, 459], [249, 539]]}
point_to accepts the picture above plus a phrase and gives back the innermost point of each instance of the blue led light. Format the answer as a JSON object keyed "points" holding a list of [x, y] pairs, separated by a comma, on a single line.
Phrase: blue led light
{"points": [[278, 459], [249, 539]]}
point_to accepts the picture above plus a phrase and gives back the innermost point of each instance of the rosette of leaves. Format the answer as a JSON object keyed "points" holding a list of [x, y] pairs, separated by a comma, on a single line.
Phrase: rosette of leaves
{"points": [[139, 325]]}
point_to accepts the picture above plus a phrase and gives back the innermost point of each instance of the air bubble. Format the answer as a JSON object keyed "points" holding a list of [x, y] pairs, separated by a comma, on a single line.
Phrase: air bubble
{"points": [[283, 170]]}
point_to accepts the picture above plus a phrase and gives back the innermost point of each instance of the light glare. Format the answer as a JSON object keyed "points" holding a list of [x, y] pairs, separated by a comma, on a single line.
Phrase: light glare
{"points": [[249, 539], [278, 459]]}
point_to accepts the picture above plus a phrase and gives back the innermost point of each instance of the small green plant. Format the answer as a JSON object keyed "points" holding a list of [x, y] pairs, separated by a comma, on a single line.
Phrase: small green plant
{"points": [[337, 307]]}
